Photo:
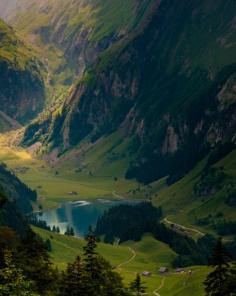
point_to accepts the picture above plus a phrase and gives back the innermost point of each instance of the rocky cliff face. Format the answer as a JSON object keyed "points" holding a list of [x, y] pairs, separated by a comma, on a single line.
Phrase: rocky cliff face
{"points": [[171, 84], [22, 89]]}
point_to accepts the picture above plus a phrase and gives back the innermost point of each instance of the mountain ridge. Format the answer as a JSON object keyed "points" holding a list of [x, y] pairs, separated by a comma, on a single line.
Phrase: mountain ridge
{"points": [[187, 91]]}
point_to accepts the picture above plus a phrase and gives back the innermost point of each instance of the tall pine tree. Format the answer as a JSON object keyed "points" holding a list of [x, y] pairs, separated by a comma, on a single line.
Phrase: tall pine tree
{"points": [[71, 283], [137, 286], [91, 276], [218, 282]]}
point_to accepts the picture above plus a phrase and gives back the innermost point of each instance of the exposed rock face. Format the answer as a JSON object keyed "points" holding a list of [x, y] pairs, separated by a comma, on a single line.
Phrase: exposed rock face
{"points": [[171, 84], [171, 141], [227, 95]]}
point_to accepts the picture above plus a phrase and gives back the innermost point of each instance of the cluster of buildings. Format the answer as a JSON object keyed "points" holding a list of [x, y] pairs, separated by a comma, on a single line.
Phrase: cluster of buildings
{"points": [[163, 270]]}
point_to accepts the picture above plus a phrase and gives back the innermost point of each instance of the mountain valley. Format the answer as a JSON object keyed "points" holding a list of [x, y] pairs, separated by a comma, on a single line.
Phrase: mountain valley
{"points": [[121, 100]]}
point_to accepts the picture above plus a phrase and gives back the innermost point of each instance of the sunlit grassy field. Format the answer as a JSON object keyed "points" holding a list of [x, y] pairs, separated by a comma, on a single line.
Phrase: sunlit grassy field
{"points": [[55, 182]]}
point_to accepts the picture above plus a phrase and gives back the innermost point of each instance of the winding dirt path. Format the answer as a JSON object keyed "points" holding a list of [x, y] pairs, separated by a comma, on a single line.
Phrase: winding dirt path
{"points": [[185, 228], [159, 288], [134, 254]]}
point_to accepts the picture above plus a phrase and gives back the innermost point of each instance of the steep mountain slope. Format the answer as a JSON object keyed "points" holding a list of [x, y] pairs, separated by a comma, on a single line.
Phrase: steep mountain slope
{"points": [[171, 86], [70, 34], [12, 218], [16, 192], [22, 89], [15, 200]]}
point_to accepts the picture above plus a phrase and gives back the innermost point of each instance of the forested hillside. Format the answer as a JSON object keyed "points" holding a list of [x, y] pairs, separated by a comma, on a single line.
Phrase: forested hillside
{"points": [[15, 201], [17, 192]]}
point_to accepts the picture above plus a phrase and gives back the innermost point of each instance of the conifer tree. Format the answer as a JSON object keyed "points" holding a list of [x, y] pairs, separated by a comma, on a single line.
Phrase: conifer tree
{"points": [[218, 282], [92, 272], [71, 284], [91, 276], [137, 286]]}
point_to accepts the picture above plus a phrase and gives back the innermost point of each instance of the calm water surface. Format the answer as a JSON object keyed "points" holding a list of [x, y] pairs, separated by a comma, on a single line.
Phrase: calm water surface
{"points": [[79, 215]]}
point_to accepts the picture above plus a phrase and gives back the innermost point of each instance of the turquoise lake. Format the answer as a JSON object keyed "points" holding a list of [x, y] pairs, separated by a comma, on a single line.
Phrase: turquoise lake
{"points": [[79, 215]]}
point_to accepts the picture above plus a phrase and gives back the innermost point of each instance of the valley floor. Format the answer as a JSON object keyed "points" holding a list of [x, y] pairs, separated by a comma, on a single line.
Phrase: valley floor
{"points": [[55, 183]]}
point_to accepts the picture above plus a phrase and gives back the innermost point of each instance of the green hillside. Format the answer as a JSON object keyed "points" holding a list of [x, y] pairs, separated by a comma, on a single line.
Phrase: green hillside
{"points": [[183, 205], [70, 35], [21, 83], [102, 18], [12, 49], [130, 258]]}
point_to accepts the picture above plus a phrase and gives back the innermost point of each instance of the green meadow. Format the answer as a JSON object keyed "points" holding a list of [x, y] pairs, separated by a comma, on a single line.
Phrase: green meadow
{"points": [[131, 258], [54, 182]]}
